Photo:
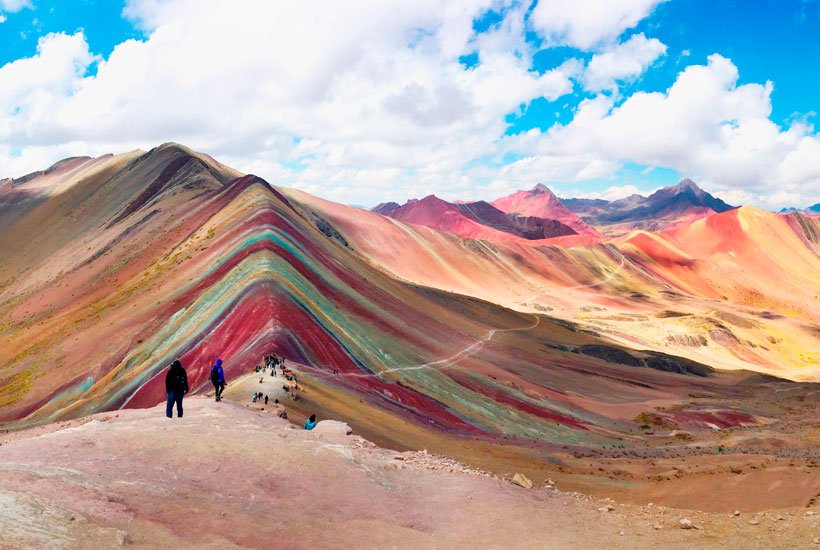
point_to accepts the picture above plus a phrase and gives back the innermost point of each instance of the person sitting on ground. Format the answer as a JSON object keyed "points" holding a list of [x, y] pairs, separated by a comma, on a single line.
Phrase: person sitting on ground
{"points": [[310, 423], [279, 409], [176, 386], [218, 379]]}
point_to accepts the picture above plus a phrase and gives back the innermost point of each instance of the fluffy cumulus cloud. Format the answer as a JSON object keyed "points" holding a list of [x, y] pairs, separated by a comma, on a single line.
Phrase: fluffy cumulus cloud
{"points": [[706, 126], [14, 5], [622, 63], [370, 100], [321, 94], [588, 23]]}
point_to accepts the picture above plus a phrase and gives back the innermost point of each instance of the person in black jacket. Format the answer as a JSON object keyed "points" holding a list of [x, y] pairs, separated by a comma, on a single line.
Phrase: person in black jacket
{"points": [[176, 385]]}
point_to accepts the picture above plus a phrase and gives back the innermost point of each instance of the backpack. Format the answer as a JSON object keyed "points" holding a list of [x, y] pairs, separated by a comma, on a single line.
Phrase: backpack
{"points": [[214, 374]]}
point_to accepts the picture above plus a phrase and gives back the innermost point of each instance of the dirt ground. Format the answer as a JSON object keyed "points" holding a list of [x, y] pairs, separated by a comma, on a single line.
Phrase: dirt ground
{"points": [[228, 476]]}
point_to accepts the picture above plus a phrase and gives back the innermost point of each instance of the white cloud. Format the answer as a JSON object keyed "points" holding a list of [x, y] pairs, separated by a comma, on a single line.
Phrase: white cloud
{"points": [[358, 91], [14, 5], [365, 101], [611, 193], [705, 126], [586, 24], [622, 63], [31, 89]]}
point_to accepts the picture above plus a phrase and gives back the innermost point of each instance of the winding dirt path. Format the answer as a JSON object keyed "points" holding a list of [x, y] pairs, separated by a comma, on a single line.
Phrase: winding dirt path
{"points": [[475, 347]]}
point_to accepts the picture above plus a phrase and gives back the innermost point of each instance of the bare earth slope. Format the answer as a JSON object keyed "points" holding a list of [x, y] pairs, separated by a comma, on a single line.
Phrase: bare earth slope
{"points": [[228, 477], [738, 289]]}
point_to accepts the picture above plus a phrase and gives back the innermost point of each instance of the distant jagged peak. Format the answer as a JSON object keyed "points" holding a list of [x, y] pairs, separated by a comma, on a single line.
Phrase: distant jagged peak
{"points": [[541, 189], [689, 191], [428, 200], [810, 210], [687, 184], [385, 208]]}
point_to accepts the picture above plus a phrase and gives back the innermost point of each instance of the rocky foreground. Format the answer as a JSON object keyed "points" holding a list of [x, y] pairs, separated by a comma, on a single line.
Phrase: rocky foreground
{"points": [[225, 476]]}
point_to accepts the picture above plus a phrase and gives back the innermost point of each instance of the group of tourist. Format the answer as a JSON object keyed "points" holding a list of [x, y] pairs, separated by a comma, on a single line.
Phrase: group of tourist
{"points": [[176, 386]]}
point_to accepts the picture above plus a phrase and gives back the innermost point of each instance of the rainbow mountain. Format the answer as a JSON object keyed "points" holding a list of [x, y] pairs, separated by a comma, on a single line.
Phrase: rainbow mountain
{"points": [[114, 266]]}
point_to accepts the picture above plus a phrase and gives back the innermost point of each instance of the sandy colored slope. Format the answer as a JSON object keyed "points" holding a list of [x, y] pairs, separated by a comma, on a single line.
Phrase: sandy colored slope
{"points": [[227, 477], [670, 291]]}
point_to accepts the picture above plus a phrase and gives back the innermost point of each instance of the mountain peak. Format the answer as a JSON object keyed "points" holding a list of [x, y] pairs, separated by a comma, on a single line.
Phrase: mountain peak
{"points": [[541, 189], [687, 184]]}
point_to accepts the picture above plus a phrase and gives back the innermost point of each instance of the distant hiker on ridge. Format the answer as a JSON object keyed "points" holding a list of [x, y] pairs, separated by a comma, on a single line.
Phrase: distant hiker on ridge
{"points": [[310, 423], [218, 379], [176, 386]]}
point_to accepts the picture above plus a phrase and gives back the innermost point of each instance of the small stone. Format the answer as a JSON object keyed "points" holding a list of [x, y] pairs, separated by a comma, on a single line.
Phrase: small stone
{"points": [[522, 481], [816, 540], [736, 513], [686, 523], [658, 526], [754, 521], [622, 533], [607, 508]]}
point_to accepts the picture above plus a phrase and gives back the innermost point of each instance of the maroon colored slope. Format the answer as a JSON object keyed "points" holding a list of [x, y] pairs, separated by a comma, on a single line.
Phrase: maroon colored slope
{"points": [[479, 220], [540, 202]]}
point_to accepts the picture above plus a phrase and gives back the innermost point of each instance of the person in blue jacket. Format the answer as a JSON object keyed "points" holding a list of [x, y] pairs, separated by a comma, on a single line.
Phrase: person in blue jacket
{"points": [[310, 423], [218, 379]]}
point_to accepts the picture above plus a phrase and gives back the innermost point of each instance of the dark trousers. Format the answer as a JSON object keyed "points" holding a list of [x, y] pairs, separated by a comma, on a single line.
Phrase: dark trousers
{"points": [[174, 397], [219, 387]]}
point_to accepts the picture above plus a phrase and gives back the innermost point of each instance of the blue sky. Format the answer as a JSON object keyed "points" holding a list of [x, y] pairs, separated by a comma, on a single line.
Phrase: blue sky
{"points": [[102, 22], [465, 106]]}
